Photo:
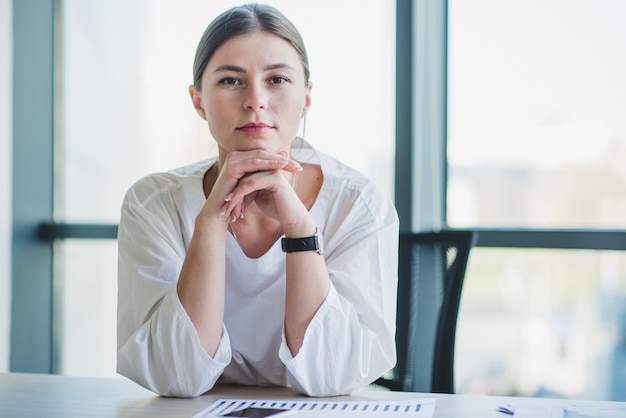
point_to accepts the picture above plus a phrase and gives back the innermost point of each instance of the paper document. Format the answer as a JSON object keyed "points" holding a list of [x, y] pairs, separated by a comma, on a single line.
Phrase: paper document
{"points": [[422, 408]]}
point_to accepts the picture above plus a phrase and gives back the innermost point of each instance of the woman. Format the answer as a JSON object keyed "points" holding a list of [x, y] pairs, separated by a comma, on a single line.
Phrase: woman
{"points": [[208, 289]]}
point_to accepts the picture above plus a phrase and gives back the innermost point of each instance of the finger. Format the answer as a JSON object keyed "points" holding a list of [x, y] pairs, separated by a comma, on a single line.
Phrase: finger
{"points": [[235, 209], [260, 153], [230, 176], [248, 188], [270, 181], [236, 214], [240, 163], [293, 166]]}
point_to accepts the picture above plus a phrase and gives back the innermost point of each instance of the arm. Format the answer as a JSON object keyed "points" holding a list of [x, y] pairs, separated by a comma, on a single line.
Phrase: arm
{"points": [[307, 285], [171, 337], [158, 346], [354, 328], [307, 279], [201, 284]]}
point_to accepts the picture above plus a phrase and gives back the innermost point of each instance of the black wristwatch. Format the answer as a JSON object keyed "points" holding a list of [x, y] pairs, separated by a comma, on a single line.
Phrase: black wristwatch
{"points": [[312, 243]]}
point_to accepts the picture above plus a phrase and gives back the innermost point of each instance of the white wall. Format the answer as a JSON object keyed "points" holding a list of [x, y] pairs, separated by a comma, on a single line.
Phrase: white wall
{"points": [[6, 36]]}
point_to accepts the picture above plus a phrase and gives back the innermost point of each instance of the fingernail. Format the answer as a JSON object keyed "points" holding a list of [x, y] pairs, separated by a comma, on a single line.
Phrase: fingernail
{"points": [[228, 197], [295, 165]]}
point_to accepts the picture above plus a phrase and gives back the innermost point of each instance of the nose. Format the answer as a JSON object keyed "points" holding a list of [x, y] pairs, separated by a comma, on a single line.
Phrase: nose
{"points": [[256, 98]]}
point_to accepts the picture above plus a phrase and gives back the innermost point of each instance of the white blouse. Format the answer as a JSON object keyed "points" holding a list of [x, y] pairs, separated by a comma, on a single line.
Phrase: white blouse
{"points": [[349, 342]]}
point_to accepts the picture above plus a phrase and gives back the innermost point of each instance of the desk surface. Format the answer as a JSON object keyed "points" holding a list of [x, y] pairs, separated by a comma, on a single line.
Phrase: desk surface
{"points": [[40, 395]]}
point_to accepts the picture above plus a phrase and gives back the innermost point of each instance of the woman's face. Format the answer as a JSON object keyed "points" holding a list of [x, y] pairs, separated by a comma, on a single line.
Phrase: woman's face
{"points": [[253, 93]]}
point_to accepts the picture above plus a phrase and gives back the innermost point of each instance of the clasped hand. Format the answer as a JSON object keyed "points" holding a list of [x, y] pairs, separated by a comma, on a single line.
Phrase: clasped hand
{"points": [[259, 176]]}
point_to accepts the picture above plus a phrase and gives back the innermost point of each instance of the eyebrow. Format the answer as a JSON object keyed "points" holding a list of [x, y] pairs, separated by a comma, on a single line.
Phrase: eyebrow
{"points": [[237, 69]]}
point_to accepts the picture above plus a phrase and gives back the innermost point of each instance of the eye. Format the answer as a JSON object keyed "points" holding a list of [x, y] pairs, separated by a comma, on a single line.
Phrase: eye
{"points": [[279, 79], [230, 81]]}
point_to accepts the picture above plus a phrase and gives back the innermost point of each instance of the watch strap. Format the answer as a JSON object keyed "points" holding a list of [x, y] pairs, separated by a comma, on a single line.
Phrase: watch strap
{"points": [[293, 245]]}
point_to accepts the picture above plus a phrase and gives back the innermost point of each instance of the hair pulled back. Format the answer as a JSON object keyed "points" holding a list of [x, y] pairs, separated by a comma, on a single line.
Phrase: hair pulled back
{"points": [[241, 20]]}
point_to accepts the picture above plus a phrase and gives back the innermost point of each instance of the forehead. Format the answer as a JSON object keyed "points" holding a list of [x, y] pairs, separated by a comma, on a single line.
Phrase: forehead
{"points": [[255, 49]]}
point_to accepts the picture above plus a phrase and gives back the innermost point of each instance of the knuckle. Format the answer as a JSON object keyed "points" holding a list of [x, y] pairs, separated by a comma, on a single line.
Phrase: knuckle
{"points": [[251, 182]]}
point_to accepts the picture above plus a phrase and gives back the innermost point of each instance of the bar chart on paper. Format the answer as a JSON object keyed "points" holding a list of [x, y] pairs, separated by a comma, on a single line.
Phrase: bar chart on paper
{"points": [[422, 408]]}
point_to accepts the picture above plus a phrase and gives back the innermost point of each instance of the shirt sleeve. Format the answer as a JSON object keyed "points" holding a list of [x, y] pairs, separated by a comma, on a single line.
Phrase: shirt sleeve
{"points": [[158, 346], [350, 341]]}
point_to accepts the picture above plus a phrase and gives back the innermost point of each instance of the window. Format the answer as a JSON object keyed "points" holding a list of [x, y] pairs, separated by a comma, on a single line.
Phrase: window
{"points": [[543, 323], [537, 139], [536, 133], [126, 113]]}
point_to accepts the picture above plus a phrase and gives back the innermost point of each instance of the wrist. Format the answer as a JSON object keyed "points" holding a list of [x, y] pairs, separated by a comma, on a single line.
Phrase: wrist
{"points": [[206, 222], [313, 242], [299, 230]]}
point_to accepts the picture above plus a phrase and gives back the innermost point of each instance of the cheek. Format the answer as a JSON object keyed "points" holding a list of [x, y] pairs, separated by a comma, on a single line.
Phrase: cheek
{"points": [[216, 107], [295, 105], [292, 116]]}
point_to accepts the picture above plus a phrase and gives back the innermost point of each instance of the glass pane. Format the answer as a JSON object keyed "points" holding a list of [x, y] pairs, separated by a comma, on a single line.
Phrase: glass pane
{"points": [[543, 323], [86, 307], [126, 109], [127, 112], [537, 98]]}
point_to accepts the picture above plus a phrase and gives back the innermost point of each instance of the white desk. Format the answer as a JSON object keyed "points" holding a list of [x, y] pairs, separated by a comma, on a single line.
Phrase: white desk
{"points": [[40, 395]]}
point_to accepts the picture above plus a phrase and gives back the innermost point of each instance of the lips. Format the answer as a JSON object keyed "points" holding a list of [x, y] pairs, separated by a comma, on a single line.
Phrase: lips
{"points": [[255, 128]]}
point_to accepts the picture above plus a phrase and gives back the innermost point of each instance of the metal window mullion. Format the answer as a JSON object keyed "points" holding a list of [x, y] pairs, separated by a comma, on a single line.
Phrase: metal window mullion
{"points": [[430, 108], [33, 126], [403, 184]]}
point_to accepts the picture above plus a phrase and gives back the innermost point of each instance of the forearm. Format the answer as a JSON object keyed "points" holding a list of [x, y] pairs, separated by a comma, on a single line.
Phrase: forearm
{"points": [[201, 282], [307, 285], [356, 322], [362, 350], [164, 354]]}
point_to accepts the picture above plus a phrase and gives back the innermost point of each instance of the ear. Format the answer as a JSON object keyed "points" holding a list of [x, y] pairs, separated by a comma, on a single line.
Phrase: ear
{"points": [[307, 100], [196, 99]]}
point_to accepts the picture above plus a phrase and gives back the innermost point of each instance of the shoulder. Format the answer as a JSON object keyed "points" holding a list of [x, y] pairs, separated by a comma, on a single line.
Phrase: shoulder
{"points": [[351, 209], [346, 190], [156, 186], [340, 178], [336, 173]]}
